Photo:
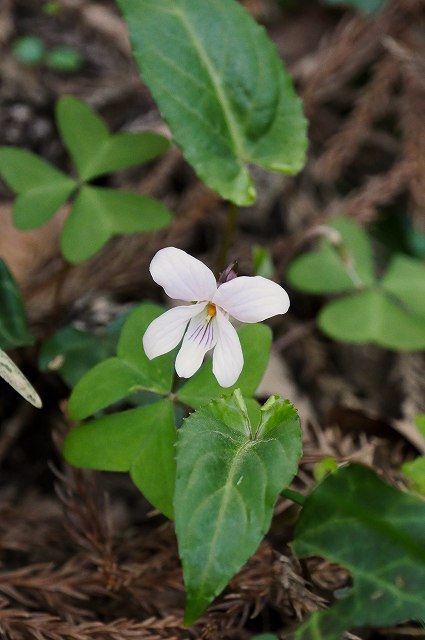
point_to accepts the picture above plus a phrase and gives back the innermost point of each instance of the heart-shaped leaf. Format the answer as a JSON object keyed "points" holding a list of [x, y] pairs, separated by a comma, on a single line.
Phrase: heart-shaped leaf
{"points": [[141, 441], [99, 213], [229, 474], [221, 86], [256, 340], [377, 533], [405, 279], [116, 378], [337, 267], [372, 316], [42, 189], [94, 149]]}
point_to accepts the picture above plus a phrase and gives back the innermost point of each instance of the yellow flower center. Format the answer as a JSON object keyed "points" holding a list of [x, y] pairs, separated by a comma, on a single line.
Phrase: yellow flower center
{"points": [[211, 310]]}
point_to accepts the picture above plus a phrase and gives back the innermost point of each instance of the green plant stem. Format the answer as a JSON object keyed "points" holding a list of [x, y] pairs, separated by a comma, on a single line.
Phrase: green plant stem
{"points": [[229, 233], [295, 496], [353, 275]]}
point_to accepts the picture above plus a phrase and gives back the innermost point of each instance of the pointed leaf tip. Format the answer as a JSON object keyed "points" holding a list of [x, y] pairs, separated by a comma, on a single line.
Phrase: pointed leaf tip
{"points": [[228, 106], [228, 480]]}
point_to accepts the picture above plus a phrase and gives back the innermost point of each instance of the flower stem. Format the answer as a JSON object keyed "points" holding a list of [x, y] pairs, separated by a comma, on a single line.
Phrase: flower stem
{"points": [[229, 232], [295, 496]]}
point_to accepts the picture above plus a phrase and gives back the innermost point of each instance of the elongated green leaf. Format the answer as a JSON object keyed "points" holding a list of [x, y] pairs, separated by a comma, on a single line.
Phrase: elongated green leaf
{"points": [[116, 378], [335, 268], [99, 213], [13, 322], [140, 440], [256, 340], [377, 533], [94, 150], [42, 189], [229, 475], [221, 86], [371, 316], [405, 279]]}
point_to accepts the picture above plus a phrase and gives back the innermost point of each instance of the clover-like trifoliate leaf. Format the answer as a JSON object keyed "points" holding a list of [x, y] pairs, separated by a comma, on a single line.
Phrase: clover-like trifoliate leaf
{"points": [[116, 378], [94, 149], [99, 213], [220, 84], [372, 316], [141, 441], [229, 474], [41, 188], [376, 532], [256, 340], [333, 268], [405, 279]]}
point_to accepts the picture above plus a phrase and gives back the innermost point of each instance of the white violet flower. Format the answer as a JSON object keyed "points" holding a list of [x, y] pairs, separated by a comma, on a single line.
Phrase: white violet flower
{"points": [[245, 298]]}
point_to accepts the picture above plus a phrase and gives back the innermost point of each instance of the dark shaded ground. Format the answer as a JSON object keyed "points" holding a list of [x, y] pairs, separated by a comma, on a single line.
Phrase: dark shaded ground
{"points": [[82, 556]]}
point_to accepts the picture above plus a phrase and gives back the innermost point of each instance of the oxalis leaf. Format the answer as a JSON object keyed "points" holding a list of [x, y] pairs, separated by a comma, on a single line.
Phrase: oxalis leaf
{"points": [[95, 150], [372, 316], [221, 86], [333, 268], [116, 378], [229, 474], [140, 441], [41, 188], [99, 213], [377, 533]]}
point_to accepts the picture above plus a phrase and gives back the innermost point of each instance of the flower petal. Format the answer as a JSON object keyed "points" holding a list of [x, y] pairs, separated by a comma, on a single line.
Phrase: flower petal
{"points": [[200, 337], [252, 299], [182, 276], [164, 333], [227, 356]]}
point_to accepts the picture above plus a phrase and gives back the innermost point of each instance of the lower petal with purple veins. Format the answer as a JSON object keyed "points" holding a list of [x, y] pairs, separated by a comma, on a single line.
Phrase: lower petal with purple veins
{"points": [[200, 337]]}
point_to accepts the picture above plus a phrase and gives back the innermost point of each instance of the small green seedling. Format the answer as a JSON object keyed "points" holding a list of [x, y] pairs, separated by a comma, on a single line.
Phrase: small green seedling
{"points": [[97, 213], [32, 51], [388, 311]]}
